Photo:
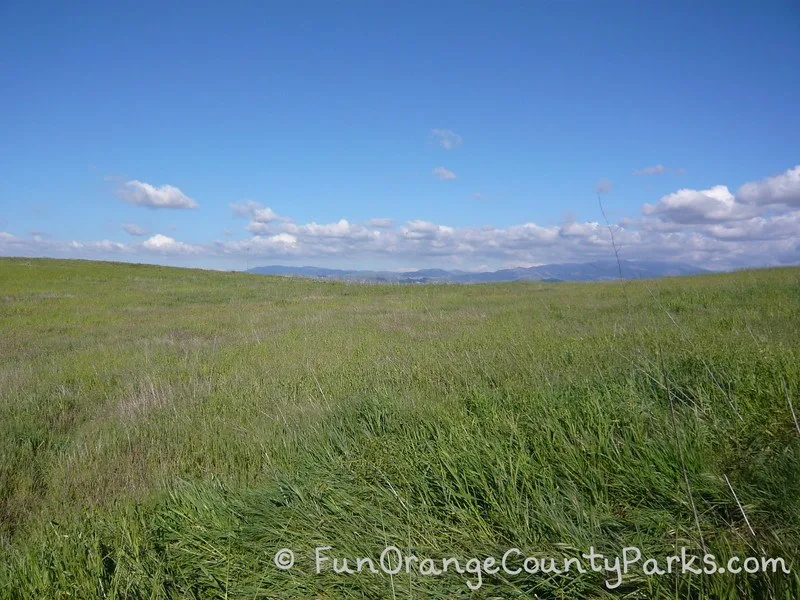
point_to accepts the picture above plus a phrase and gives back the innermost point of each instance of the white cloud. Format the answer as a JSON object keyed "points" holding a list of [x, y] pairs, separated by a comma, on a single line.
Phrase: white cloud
{"points": [[443, 174], [688, 207], [529, 243], [165, 244], [11, 245], [762, 240], [710, 227], [105, 245], [134, 229], [774, 227], [655, 170], [530, 233], [264, 215], [285, 239], [447, 138], [341, 229], [165, 196], [254, 210], [281, 244], [425, 230], [660, 169], [603, 186], [263, 220], [756, 225], [783, 189], [573, 229], [257, 228]]}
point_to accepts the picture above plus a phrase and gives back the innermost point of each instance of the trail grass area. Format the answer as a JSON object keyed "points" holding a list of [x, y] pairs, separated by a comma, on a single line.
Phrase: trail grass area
{"points": [[163, 432]]}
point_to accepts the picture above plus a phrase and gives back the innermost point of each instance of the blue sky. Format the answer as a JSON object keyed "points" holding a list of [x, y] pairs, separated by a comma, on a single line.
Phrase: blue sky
{"points": [[280, 133]]}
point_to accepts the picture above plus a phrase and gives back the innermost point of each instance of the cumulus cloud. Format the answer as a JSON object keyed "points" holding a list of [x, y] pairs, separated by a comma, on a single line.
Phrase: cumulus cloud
{"points": [[710, 227], [265, 215], [285, 239], [687, 206], [42, 247], [263, 220], [783, 189], [443, 174], [341, 229], [11, 245], [281, 244], [603, 186], [134, 229], [104, 245], [254, 210], [573, 229], [659, 169], [707, 227], [761, 220], [773, 227], [656, 170], [257, 228], [761, 240], [425, 230], [165, 244], [446, 138], [140, 193]]}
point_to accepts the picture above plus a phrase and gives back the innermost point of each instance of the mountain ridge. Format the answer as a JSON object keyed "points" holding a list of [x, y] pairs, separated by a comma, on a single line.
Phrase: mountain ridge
{"points": [[603, 270]]}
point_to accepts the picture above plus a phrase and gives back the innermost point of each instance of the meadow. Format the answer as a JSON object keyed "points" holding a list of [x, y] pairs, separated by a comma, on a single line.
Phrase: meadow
{"points": [[163, 432]]}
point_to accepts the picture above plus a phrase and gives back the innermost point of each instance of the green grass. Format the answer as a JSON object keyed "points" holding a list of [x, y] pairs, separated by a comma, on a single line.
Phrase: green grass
{"points": [[163, 431]]}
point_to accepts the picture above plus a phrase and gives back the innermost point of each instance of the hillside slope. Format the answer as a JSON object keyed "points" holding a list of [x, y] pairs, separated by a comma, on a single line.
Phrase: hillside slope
{"points": [[164, 432]]}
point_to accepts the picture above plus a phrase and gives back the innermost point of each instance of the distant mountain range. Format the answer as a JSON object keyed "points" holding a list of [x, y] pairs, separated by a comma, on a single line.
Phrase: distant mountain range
{"points": [[591, 271]]}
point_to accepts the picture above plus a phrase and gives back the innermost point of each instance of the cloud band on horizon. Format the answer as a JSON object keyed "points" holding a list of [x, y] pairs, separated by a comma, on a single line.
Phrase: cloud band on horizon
{"points": [[757, 225]]}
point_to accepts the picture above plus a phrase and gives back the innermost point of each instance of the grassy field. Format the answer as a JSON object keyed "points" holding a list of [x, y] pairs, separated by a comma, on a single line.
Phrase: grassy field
{"points": [[163, 432]]}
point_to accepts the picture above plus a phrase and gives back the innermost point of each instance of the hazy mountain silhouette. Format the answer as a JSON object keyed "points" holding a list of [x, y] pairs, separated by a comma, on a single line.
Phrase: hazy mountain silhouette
{"points": [[590, 271]]}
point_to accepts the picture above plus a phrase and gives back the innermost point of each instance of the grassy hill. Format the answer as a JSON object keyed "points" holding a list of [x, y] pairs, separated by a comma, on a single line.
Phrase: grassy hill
{"points": [[163, 432]]}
